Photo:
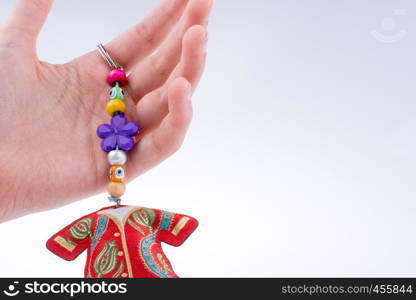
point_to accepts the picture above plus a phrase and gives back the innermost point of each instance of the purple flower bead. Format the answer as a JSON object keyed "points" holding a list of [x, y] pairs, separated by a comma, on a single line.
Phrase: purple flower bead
{"points": [[118, 134]]}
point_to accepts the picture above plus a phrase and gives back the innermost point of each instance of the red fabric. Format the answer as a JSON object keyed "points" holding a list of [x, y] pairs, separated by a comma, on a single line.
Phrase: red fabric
{"points": [[123, 242]]}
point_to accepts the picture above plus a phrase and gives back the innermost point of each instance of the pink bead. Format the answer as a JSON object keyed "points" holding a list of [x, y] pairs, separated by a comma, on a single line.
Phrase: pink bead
{"points": [[116, 75]]}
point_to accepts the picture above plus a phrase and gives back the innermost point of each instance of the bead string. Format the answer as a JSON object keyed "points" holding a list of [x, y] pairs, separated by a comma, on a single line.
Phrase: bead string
{"points": [[117, 137]]}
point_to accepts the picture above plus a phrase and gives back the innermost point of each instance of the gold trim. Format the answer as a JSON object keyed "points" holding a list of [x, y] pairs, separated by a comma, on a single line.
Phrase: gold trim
{"points": [[182, 222], [123, 238], [64, 243]]}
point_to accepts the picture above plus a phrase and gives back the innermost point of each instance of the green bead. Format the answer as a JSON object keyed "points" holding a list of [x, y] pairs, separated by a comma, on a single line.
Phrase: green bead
{"points": [[117, 93]]}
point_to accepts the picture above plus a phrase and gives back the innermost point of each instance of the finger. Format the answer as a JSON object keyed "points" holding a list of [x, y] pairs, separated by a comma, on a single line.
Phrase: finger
{"points": [[192, 63], [27, 18], [153, 107], [168, 137], [154, 71], [141, 39]]}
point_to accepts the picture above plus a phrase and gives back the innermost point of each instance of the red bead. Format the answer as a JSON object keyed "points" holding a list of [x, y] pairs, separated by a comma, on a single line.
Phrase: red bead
{"points": [[116, 75]]}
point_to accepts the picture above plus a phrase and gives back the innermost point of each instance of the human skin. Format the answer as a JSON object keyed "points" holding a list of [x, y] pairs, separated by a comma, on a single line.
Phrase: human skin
{"points": [[50, 153]]}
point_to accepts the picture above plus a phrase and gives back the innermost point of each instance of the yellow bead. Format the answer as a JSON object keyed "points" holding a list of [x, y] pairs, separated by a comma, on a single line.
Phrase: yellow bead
{"points": [[116, 189], [114, 106]]}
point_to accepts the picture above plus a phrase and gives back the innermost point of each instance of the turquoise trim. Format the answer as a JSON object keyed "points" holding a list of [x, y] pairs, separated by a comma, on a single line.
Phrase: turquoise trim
{"points": [[167, 217], [102, 223], [145, 248]]}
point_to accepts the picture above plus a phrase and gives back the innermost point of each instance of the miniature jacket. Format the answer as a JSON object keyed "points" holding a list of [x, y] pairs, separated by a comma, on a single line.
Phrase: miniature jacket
{"points": [[123, 242]]}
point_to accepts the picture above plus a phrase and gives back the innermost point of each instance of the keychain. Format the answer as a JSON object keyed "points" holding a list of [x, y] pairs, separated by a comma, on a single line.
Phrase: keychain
{"points": [[122, 241]]}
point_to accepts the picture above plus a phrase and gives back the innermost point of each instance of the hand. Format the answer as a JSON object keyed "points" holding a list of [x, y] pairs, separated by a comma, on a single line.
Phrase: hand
{"points": [[50, 154]]}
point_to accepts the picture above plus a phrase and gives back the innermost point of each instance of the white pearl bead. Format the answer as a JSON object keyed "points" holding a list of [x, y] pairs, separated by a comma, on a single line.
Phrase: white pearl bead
{"points": [[117, 157]]}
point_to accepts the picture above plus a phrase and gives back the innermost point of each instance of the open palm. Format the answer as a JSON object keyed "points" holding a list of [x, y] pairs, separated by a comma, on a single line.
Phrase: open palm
{"points": [[49, 152]]}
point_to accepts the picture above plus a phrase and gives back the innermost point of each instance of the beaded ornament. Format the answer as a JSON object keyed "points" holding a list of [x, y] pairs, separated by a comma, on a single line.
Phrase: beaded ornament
{"points": [[122, 241]]}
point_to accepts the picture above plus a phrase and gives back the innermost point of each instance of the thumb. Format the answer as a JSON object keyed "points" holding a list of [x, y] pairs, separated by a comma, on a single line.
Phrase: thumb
{"points": [[26, 19]]}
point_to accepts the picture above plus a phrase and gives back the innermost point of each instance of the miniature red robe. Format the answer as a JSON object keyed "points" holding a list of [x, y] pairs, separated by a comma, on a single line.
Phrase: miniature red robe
{"points": [[123, 242]]}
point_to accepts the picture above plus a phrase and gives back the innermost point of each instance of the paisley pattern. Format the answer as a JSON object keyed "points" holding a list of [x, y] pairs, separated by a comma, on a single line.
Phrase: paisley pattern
{"points": [[81, 229], [135, 226], [163, 262], [106, 260], [101, 226], [145, 217], [147, 255]]}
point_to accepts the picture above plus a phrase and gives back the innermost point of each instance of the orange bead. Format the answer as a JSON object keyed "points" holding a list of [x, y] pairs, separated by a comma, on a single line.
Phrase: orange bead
{"points": [[116, 189], [117, 173]]}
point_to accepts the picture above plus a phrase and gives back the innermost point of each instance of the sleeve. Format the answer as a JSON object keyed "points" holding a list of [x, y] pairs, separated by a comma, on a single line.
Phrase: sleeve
{"points": [[72, 240], [174, 228]]}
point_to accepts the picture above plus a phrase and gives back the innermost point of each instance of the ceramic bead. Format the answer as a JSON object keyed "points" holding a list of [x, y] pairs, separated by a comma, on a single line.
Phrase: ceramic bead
{"points": [[116, 189], [117, 93], [117, 157], [114, 106], [116, 75], [117, 173]]}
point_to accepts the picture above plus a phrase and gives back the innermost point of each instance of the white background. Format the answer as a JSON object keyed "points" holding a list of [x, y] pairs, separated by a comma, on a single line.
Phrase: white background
{"points": [[301, 159]]}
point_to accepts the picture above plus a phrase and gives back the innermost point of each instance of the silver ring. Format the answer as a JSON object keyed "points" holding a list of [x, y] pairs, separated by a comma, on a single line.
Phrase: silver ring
{"points": [[111, 62]]}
